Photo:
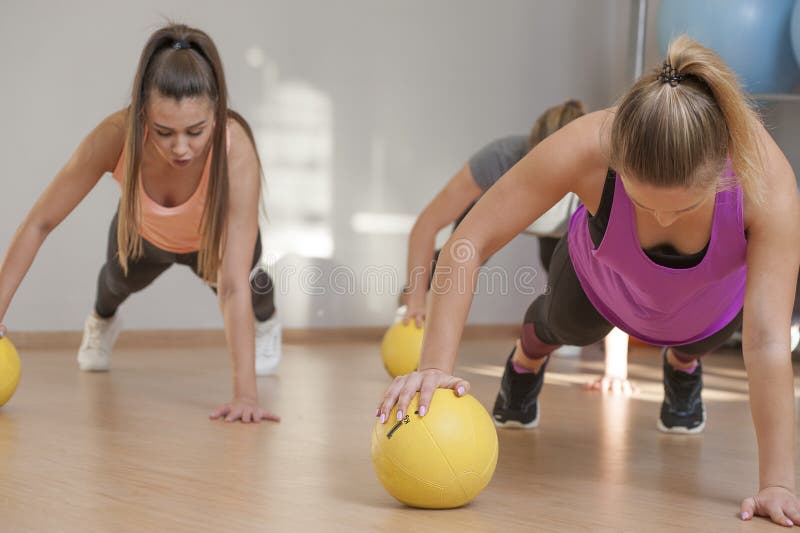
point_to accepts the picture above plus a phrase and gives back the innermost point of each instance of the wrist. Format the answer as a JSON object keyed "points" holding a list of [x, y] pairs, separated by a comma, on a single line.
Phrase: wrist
{"points": [[416, 304], [788, 487], [433, 369], [245, 388], [251, 397]]}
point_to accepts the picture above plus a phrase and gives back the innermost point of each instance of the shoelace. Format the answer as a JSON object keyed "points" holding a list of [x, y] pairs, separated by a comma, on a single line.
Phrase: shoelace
{"points": [[93, 340], [683, 388], [521, 386]]}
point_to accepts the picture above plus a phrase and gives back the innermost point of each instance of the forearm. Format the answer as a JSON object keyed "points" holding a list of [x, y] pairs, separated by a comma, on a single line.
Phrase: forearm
{"points": [[421, 246], [237, 314], [452, 290], [772, 407], [18, 259]]}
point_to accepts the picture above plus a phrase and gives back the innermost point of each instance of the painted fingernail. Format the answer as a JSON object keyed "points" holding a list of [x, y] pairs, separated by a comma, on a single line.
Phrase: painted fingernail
{"points": [[789, 523], [383, 418], [399, 414], [745, 515], [422, 410], [460, 391]]}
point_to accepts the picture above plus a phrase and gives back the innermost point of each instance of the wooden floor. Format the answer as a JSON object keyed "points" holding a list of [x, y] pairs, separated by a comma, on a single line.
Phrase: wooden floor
{"points": [[132, 450]]}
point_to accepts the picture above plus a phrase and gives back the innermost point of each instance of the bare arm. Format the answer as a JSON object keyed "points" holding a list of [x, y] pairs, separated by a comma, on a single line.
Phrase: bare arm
{"points": [[444, 209], [96, 155], [773, 257], [557, 166], [233, 284], [560, 164]]}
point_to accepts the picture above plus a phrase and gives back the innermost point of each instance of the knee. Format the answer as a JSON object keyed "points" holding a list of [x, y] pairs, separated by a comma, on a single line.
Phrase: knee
{"points": [[532, 346], [114, 278], [116, 281], [262, 289], [260, 282], [684, 357]]}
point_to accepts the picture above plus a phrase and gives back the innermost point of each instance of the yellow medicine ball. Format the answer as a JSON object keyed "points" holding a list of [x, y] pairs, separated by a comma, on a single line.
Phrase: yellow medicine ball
{"points": [[401, 348], [438, 461], [9, 370]]}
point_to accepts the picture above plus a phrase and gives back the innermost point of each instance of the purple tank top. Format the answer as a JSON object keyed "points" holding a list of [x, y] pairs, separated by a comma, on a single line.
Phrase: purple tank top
{"points": [[659, 305]]}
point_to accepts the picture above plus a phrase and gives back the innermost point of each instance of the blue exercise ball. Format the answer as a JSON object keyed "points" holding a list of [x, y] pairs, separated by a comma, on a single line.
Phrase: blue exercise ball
{"points": [[795, 31], [751, 36]]}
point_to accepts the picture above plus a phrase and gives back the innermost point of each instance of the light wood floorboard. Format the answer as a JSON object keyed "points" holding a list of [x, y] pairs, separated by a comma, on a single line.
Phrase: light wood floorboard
{"points": [[132, 450]]}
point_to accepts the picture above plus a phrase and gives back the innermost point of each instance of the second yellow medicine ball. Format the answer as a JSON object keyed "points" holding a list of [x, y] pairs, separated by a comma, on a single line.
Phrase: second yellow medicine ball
{"points": [[401, 348]]}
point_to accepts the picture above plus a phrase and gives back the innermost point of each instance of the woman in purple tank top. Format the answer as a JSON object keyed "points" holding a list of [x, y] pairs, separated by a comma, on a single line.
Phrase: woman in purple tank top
{"points": [[688, 229]]}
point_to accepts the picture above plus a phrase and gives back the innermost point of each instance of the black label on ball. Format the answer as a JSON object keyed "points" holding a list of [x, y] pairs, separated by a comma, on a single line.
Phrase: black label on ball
{"points": [[406, 419]]}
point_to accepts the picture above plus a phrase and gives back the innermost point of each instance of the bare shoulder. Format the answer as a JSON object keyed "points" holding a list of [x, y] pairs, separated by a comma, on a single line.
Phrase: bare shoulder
{"points": [[241, 146], [582, 147], [780, 200], [117, 120], [243, 165], [103, 146]]}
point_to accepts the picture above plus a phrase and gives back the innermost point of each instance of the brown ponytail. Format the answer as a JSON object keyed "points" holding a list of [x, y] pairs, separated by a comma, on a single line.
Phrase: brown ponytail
{"points": [[553, 119], [179, 62]]}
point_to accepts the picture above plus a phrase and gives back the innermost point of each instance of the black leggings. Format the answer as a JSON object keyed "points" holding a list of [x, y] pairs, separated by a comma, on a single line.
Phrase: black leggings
{"points": [[113, 286], [564, 315]]}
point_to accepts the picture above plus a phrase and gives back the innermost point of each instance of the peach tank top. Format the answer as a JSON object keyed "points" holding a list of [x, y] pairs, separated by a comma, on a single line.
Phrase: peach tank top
{"points": [[174, 229]]}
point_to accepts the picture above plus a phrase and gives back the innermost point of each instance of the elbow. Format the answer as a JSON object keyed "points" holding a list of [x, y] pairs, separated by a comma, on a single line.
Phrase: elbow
{"points": [[40, 229], [428, 225], [463, 250], [227, 291], [421, 230]]}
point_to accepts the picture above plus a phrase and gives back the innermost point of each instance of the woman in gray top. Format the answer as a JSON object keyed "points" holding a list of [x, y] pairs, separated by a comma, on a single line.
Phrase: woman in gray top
{"points": [[453, 202]]}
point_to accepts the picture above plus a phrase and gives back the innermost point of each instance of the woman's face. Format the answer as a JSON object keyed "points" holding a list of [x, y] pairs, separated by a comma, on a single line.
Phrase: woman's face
{"points": [[179, 130], [667, 205]]}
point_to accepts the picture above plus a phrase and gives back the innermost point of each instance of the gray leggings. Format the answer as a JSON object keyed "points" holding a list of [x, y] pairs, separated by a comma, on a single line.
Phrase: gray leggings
{"points": [[113, 286]]}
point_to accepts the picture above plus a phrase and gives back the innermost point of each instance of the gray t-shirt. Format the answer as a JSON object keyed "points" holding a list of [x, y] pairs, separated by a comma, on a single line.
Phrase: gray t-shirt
{"points": [[497, 158]]}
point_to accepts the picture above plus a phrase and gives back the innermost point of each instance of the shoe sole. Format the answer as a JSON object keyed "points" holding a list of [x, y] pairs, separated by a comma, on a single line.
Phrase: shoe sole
{"points": [[267, 372], [93, 368], [269, 368], [515, 424], [681, 430]]}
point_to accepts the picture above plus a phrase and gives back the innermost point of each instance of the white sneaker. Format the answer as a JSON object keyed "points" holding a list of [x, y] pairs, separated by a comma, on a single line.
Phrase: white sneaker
{"points": [[99, 335], [268, 346]]}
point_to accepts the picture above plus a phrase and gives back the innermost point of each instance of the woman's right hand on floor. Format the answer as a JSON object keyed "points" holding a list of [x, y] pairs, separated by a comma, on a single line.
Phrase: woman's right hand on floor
{"points": [[403, 389], [245, 409]]}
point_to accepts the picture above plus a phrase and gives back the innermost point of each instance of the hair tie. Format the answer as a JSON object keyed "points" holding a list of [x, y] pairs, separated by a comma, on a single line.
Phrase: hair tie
{"points": [[181, 44], [671, 75]]}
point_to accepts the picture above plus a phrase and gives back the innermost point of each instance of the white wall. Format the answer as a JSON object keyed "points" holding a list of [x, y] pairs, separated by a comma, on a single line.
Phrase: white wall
{"points": [[412, 89]]}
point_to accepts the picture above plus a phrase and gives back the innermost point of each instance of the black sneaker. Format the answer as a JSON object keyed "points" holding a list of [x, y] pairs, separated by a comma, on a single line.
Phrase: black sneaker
{"points": [[516, 405], [682, 410]]}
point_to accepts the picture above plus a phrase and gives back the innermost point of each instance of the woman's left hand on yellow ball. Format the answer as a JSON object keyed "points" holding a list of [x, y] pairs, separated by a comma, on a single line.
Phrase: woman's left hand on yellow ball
{"points": [[426, 381]]}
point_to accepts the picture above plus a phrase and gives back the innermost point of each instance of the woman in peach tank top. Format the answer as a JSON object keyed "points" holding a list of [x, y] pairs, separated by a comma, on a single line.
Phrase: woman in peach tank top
{"points": [[190, 178]]}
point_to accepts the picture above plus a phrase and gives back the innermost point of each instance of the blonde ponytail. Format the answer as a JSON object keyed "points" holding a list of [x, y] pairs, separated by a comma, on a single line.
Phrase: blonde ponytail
{"points": [[680, 133]]}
